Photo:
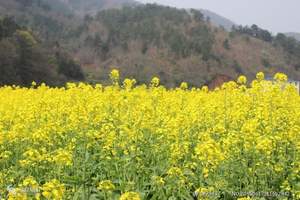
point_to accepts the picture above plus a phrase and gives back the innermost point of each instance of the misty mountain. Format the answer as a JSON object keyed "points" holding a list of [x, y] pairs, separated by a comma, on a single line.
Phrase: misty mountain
{"points": [[294, 35], [92, 7], [218, 20]]}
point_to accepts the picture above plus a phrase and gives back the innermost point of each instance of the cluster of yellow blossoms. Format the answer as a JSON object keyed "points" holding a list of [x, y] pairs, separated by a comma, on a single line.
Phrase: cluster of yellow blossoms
{"points": [[30, 189], [133, 142]]}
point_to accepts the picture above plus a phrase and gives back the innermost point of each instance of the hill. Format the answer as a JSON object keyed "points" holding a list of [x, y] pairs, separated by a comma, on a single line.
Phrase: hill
{"points": [[218, 20], [153, 40], [178, 45]]}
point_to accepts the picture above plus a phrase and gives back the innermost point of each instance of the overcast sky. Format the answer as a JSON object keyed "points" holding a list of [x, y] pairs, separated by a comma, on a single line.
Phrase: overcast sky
{"points": [[274, 15]]}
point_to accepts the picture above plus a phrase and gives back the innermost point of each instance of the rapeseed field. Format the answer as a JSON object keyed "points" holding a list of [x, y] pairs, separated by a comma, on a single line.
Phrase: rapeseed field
{"points": [[132, 142]]}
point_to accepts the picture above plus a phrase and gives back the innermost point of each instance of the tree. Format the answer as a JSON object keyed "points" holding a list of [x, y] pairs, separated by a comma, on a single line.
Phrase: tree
{"points": [[202, 40], [68, 67], [33, 64], [8, 27], [226, 44], [8, 62], [289, 44], [198, 16], [254, 31]]}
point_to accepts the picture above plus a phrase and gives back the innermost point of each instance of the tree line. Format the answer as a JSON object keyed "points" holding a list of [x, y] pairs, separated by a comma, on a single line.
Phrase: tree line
{"points": [[289, 44]]}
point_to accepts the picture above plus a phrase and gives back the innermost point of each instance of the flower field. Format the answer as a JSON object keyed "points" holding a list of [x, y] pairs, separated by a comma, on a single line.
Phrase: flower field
{"points": [[132, 142]]}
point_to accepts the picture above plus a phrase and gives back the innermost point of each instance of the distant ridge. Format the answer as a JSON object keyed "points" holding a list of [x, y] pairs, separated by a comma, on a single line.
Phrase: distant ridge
{"points": [[294, 35], [218, 20], [92, 7]]}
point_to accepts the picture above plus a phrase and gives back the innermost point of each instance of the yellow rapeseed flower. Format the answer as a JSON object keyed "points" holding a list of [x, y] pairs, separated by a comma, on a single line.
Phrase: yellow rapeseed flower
{"points": [[260, 76], [53, 190], [242, 80], [280, 77], [106, 185], [155, 82], [130, 196], [184, 86], [63, 157], [115, 76]]}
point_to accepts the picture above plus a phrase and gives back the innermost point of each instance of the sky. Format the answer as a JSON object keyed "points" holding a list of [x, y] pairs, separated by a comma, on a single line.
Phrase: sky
{"points": [[273, 15]]}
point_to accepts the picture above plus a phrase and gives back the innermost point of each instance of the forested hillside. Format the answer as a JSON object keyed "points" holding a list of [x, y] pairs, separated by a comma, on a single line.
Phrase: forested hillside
{"points": [[23, 58], [151, 40], [179, 45]]}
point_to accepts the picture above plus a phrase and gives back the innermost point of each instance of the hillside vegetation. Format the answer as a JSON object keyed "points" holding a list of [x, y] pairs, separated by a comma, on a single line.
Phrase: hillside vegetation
{"points": [[179, 45], [23, 58], [152, 40]]}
